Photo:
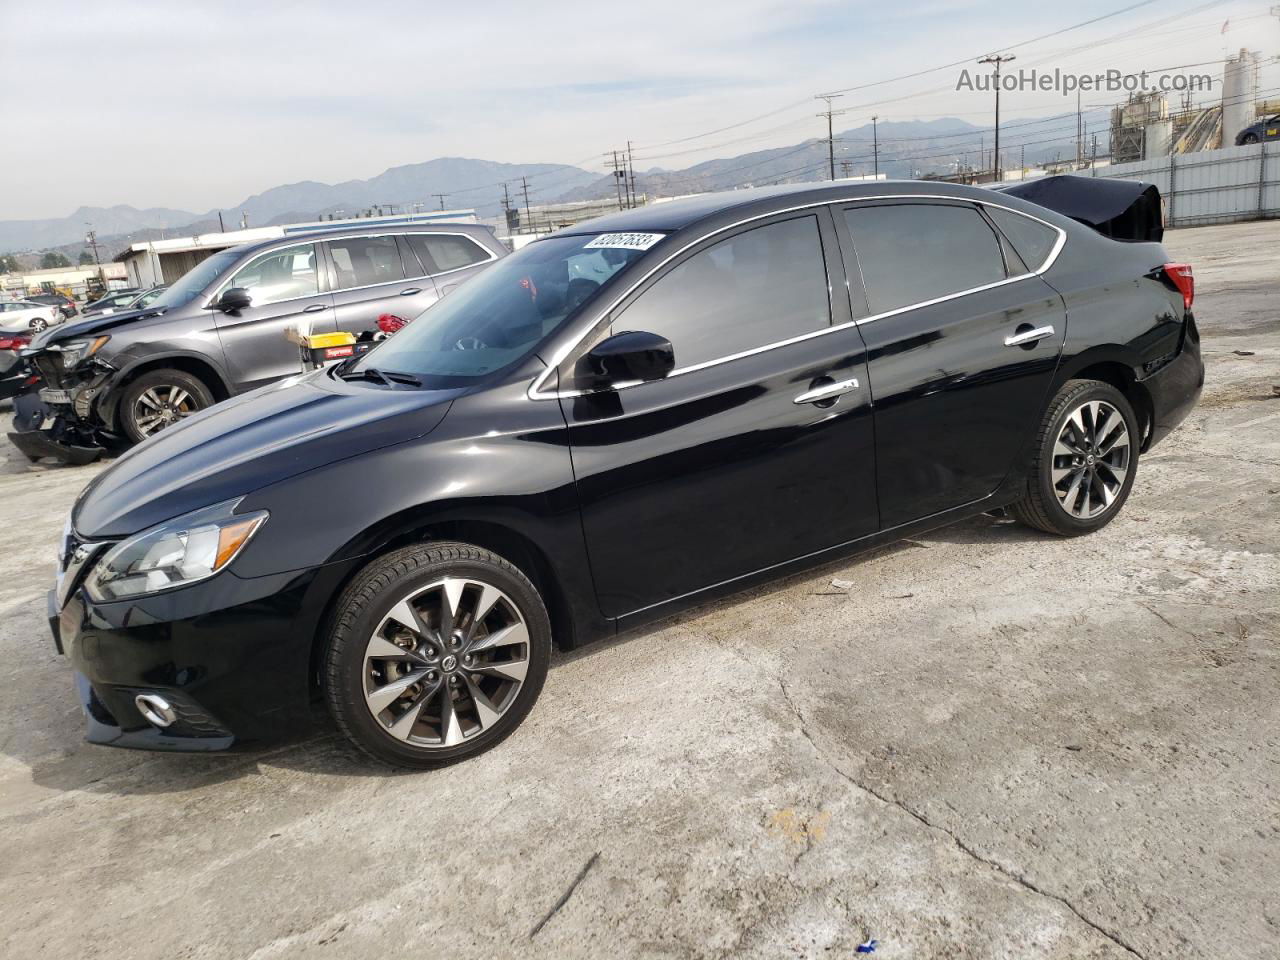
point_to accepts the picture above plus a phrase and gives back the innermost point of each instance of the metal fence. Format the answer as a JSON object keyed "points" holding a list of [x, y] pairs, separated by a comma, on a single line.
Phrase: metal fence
{"points": [[1211, 186]]}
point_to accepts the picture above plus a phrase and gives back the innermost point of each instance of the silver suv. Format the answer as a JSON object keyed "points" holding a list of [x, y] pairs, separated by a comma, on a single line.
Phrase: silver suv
{"points": [[219, 330]]}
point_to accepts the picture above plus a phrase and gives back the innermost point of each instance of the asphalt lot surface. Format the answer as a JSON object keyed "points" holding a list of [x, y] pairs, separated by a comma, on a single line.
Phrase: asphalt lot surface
{"points": [[993, 744]]}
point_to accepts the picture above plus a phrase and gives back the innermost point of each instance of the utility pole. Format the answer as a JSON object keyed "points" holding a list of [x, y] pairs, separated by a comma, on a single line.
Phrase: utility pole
{"points": [[440, 197], [524, 185], [844, 167], [997, 59], [221, 227], [830, 98], [1079, 131], [91, 238], [875, 148], [631, 178], [617, 179]]}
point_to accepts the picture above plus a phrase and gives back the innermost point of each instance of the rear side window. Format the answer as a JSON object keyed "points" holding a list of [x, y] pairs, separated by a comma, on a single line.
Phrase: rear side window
{"points": [[913, 252], [1033, 241], [440, 253], [753, 289], [365, 261]]}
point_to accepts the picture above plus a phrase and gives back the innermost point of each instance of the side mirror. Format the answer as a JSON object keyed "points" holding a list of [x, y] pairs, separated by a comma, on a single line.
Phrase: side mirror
{"points": [[233, 299], [625, 358]]}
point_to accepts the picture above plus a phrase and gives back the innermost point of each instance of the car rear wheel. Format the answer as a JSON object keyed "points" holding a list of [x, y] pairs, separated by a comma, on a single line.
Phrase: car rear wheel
{"points": [[160, 399], [1085, 460], [436, 653]]}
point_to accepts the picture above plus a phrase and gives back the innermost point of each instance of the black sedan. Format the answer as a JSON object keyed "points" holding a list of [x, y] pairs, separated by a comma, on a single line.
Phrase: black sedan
{"points": [[623, 419], [66, 306]]}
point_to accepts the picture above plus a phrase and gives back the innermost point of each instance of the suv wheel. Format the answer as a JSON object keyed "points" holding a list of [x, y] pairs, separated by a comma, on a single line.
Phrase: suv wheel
{"points": [[159, 399], [1085, 461], [436, 653]]}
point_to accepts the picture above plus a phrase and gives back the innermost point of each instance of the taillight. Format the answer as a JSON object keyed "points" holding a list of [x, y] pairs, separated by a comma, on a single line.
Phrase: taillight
{"points": [[13, 343], [1184, 279]]}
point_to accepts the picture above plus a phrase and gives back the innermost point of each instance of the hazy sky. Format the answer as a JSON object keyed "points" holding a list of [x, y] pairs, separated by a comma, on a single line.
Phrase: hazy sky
{"points": [[198, 104]]}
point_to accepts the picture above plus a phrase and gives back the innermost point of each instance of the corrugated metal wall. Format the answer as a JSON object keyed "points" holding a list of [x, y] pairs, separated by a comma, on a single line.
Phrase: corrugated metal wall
{"points": [[1212, 186]]}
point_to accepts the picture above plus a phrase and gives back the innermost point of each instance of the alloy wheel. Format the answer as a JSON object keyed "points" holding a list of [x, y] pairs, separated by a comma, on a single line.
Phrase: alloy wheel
{"points": [[1091, 459], [446, 662], [161, 406], [39, 323]]}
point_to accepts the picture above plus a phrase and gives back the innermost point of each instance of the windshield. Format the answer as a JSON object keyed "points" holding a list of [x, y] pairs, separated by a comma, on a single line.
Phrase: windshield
{"points": [[189, 286], [501, 315]]}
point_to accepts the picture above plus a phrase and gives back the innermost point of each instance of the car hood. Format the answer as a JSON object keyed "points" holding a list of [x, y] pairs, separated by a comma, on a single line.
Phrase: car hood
{"points": [[98, 323], [251, 441]]}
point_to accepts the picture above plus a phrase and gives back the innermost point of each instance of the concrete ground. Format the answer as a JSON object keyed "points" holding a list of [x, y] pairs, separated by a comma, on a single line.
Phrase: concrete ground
{"points": [[993, 744]]}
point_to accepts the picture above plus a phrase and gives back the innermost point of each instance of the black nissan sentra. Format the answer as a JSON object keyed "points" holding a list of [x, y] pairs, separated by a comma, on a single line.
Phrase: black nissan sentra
{"points": [[625, 418]]}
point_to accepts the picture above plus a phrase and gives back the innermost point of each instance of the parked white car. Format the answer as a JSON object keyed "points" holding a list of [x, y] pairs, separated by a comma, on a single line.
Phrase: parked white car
{"points": [[19, 316]]}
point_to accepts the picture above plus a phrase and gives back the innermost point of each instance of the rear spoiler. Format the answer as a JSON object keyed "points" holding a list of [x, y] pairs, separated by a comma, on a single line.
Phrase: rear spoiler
{"points": [[1119, 209]]}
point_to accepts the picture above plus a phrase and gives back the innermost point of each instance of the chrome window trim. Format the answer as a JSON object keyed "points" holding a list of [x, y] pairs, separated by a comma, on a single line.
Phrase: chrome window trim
{"points": [[425, 276], [535, 391]]}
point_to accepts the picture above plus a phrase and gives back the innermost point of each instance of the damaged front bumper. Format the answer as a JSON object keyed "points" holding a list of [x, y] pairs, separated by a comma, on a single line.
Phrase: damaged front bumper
{"points": [[60, 420]]}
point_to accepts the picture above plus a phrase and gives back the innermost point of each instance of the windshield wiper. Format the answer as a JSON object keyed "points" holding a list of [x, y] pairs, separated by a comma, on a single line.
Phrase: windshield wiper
{"points": [[388, 377]]}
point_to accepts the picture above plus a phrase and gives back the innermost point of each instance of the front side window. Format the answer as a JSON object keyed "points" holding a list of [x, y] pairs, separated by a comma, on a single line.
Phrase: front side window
{"points": [[443, 252], [365, 261], [755, 288], [914, 252], [284, 274], [498, 317]]}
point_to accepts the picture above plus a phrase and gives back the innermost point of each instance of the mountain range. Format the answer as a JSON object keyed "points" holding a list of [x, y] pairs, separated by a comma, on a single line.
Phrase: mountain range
{"points": [[902, 149]]}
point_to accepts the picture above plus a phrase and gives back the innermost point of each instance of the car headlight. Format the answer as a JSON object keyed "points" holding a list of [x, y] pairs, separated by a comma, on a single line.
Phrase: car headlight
{"points": [[174, 554], [73, 351]]}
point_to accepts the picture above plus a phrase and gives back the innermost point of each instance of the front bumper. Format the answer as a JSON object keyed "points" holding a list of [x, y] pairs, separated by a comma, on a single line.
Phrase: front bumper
{"points": [[231, 655]]}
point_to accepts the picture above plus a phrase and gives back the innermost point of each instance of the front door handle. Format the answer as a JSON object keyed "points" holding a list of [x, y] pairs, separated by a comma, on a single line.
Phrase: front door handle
{"points": [[1028, 335], [410, 292], [314, 308], [827, 391]]}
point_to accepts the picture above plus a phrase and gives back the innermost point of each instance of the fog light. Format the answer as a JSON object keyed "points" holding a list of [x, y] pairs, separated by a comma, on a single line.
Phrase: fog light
{"points": [[156, 709]]}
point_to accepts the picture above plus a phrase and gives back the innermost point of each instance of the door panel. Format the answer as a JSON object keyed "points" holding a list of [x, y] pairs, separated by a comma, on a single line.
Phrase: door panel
{"points": [[953, 403], [687, 482], [370, 280], [717, 471], [286, 288]]}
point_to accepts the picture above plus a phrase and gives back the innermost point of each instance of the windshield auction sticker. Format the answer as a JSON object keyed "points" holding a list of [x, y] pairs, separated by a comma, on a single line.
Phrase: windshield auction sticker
{"points": [[624, 241]]}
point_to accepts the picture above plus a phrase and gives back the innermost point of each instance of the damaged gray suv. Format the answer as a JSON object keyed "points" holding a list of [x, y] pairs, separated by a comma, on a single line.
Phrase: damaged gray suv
{"points": [[219, 330]]}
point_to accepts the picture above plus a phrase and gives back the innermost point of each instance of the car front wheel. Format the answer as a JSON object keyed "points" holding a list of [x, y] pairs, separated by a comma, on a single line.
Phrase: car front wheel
{"points": [[38, 324], [436, 653], [160, 399], [1085, 460]]}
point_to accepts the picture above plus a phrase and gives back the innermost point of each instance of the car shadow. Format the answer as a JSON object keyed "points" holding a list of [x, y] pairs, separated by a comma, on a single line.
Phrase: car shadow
{"points": [[76, 766]]}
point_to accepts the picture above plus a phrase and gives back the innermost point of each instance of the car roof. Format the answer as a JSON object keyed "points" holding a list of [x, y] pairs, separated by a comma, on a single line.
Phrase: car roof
{"points": [[323, 233], [760, 201]]}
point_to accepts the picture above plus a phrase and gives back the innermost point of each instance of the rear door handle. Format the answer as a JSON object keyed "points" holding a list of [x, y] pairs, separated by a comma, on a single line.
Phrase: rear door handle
{"points": [[410, 292], [828, 391], [314, 308], [1028, 336]]}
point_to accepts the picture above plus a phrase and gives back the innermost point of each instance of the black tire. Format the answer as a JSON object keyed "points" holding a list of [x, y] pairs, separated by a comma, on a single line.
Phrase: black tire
{"points": [[368, 600], [1043, 506], [1249, 138], [38, 324], [134, 410]]}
